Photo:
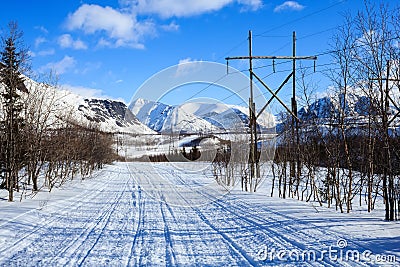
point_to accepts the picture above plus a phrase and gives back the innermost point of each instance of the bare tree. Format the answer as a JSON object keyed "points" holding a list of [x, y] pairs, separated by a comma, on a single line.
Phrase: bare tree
{"points": [[344, 80], [40, 106], [376, 53]]}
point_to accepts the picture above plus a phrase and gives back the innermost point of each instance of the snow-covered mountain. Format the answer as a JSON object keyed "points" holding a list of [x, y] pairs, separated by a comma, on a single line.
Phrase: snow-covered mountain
{"points": [[229, 116], [152, 114], [195, 117], [355, 106], [53, 106], [355, 109], [164, 118], [112, 116]]}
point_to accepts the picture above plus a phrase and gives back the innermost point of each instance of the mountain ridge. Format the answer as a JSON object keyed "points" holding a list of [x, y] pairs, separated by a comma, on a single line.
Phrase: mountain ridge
{"points": [[54, 106], [208, 116]]}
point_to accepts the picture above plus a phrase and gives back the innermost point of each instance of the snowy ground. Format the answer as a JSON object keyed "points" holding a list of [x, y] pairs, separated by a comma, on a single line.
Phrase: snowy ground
{"points": [[137, 214]]}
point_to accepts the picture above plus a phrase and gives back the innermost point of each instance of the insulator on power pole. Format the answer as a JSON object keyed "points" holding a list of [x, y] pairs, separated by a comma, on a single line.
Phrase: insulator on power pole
{"points": [[227, 67], [273, 65], [314, 66]]}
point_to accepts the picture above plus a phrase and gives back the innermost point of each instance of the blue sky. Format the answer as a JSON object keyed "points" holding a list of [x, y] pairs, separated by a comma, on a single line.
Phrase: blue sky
{"points": [[109, 48]]}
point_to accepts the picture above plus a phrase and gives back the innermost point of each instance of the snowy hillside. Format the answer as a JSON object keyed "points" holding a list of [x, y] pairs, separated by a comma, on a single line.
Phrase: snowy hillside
{"points": [[229, 116], [325, 107], [194, 117], [152, 114], [112, 116], [164, 118], [357, 106], [55, 106]]}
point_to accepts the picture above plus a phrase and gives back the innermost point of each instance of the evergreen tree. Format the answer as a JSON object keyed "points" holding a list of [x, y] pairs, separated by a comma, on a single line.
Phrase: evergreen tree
{"points": [[13, 57]]}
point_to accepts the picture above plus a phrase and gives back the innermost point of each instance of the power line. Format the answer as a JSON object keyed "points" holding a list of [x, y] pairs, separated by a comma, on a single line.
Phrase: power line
{"points": [[357, 46], [205, 88], [304, 17], [323, 53], [317, 33], [270, 36], [233, 48]]}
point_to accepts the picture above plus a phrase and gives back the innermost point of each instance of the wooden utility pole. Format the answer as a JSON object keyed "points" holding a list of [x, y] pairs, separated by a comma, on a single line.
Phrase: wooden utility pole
{"points": [[295, 130], [253, 159], [254, 154]]}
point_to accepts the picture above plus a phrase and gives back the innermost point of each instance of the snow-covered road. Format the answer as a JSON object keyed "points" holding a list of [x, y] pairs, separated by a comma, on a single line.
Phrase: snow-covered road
{"points": [[138, 214]]}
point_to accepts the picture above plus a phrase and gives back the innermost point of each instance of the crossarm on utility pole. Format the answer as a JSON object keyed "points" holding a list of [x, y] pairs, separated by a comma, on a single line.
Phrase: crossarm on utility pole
{"points": [[274, 57]]}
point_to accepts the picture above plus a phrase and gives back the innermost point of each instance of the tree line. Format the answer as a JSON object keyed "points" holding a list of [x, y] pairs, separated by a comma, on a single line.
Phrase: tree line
{"points": [[42, 144], [359, 152]]}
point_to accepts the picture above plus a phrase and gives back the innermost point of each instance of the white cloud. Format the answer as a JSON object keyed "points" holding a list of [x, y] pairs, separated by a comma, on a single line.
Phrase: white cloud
{"points": [[61, 66], [180, 8], [172, 27], [251, 4], [122, 29], [186, 67], [42, 29], [39, 41], [93, 18], [87, 92], [66, 41], [47, 52], [78, 44], [185, 8], [185, 60], [289, 5], [104, 43]]}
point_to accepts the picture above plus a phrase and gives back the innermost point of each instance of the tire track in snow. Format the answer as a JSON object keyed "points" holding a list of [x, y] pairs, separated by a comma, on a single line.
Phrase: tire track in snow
{"points": [[189, 232], [67, 200], [100, 235], [170, 258], [169, 249], [278, 238], [300, 237], [159, 190], [72, 252], [15, 247], [140, 203], [304, 237], [225, 226], [227, 240], [141, 208]]}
